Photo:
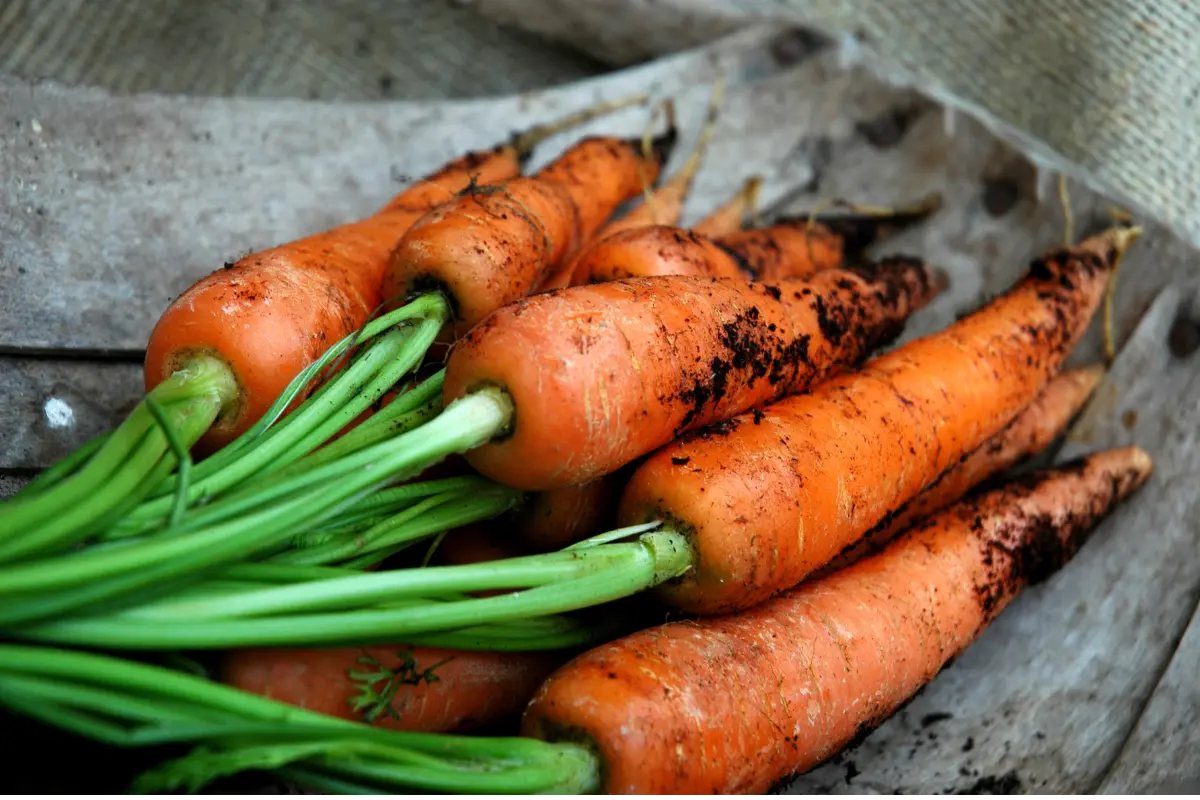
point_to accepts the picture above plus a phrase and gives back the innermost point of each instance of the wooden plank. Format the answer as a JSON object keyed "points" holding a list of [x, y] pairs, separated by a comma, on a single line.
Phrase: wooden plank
{"points": [[50, 407], [1044, 700], [11, 483], [1163, 754], [111, 206]]}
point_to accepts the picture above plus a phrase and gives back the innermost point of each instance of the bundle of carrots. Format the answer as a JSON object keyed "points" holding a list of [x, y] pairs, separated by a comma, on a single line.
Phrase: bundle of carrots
{"points": [[713, 396]]}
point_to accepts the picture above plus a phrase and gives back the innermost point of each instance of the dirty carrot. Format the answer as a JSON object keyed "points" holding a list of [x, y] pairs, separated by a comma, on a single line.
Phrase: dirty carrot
{"points": [[622, 718], [494, 244], [271, 313], [784, 686], [1033, 430], [222, 354], [832, 463], [716, 513], [399, 687], [599, 375], [661, 206], [790, 249]]}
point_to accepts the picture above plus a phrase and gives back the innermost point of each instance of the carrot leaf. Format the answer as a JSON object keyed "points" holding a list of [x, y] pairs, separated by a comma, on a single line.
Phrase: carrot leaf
{"points": [[374, 702]]}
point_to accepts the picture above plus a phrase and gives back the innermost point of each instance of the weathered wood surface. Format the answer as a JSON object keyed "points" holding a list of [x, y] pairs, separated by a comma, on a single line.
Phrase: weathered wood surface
{"points": [[1075, 660], [111, 206], [56, 405]]}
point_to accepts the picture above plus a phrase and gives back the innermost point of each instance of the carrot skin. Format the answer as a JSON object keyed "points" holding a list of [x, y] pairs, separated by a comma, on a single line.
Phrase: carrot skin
{"points": [[737, 703], [472, 689], [274, 312], [475, 544], [602, 374], [832, 463], [1033, 430], [794, 248], [558, 518], [493, 245]]}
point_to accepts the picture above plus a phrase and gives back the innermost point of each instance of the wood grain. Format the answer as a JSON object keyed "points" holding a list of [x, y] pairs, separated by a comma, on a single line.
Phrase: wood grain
{"points": [[50, 407]]}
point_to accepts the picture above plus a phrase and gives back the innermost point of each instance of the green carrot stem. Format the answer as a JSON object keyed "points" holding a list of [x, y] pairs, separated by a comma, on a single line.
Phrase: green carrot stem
{"points": [[46, 711], [268, 490], [365, 589], [433, 515], [462, 756], [345, 392], [65, 466], [130, 708], [273, 573], [419, 342], [421, 306], [324, 784], [382, 424], [87, 577], [66, 513], [654, 558]]}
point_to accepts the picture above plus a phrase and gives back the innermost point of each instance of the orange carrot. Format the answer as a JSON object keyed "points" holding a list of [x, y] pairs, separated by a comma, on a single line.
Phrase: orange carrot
{"points": [[830, 464], [737, 703], [790, 249], [662, 206], [1031, 432], [274, 312], [599, 375], [493, 245], [554, 519], [394, 686]]}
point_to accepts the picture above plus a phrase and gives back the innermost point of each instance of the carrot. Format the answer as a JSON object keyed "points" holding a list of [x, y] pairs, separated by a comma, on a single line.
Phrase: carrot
{"points": [[731, 216], [789, 249], [477, 543], [830, 464], [1028, 434], [661, 206], [602, 374], [493, 245], [556, 518], [398, 687], [272, 313], [737, 703], [731, 704]]}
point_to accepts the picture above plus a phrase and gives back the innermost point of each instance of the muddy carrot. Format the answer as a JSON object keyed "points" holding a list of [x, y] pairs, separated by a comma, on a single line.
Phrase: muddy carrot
{"points": [[394, 686], [271, 313], [495, 244], [223, 353], [722, 518], [599, 375], [830, 464], [661, 206], [784, 686], [789, 249], [1033, 430], [779, 688]]}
